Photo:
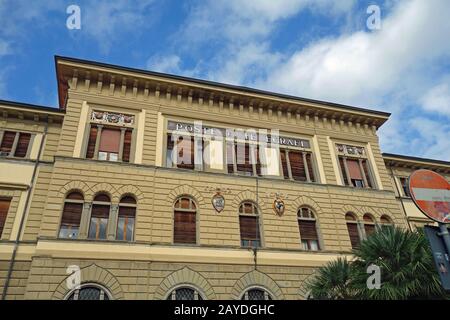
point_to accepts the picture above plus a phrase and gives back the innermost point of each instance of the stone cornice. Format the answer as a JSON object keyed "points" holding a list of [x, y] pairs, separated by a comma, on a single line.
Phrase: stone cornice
{"points": [[141, 85]]}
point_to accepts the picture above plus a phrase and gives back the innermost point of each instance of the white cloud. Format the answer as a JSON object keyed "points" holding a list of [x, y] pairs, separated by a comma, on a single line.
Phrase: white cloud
{"points": [[168, 64], [433, 135], [106, 21], [437, 99]]}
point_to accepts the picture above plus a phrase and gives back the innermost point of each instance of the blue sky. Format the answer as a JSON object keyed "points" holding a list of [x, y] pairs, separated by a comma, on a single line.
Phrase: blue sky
{"points": [[319, 49]]}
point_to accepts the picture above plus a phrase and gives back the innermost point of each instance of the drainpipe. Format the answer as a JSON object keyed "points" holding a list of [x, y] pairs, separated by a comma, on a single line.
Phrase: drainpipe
{"points": [[22, 220], [255, 248], [400, 196]]}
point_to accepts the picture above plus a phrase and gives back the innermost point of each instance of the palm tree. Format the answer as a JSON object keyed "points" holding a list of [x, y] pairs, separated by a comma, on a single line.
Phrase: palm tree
{"points": [[406, 268], [332, 281]]}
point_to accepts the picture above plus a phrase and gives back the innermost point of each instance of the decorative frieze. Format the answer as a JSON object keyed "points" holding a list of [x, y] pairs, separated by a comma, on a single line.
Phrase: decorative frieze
{"points": [[111, 117], [349, 150]]}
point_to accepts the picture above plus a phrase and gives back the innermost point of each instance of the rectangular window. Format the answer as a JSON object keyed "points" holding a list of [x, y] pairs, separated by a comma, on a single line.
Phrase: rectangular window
{"points": [[230, 156], [308, 233], [7, 142], [70, 223], [91, 142], [354, 166], [125, 223], [185, 152], [109, 140], [22, 145], [109, 145], [99, 221], [243, 159], [354, 234], [405, 188], [284, 163], [4, 207], [250, 233], [185, 227], [18, 149], [127, 145]]}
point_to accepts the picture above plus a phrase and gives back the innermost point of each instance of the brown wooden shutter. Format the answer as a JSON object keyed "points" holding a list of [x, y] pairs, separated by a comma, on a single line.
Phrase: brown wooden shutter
{"points": [[100, 211], [243, 160], [310, 167], [185, 227], [4, 207], [297, 166], [91, 142], [258, 161], [127, 211], [353, 233], [7, 141], [110, 140], [230, 160], [369, 228], [72, 214], [22, 145], [284, 164], [249, 228], [366, 172], [307, 230], [185, 149], [344, 175], [353, 169], [127, 146]]}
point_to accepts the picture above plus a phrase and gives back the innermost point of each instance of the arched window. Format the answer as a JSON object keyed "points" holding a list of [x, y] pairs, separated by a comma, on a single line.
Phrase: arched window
{"points": [[352, 227], [185, 221], [89, 291], [185, 293], [308, 229], [386, 221], [71, 216], [369, 224], [249, 225], [99, 217], [126, 219], [256, 294]]}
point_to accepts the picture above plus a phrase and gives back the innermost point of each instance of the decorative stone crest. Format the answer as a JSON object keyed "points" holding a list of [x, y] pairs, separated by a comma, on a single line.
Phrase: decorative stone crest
{"points": [[218, 202], [278, 205], [350, 150], [111, 117]]}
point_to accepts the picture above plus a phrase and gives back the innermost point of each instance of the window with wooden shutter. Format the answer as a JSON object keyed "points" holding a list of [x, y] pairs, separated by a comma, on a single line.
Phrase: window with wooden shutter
{"points": [[185, 152], [126, 219], [185, 221], [4, 207], [99, 217], [243, 159], [91, 142], [352, 227], [7, 142], [405, 187], [230, 156], [297, 165], [71, 216], [369, 224], [127, 145], [22, 145], [308, 229], [249, 225], [284, 163], [309, 164], [354, 166], [109, 144]]}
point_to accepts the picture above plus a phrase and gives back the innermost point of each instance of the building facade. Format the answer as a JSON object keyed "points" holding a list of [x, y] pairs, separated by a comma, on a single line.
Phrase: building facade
{"points": [[151, 186]]}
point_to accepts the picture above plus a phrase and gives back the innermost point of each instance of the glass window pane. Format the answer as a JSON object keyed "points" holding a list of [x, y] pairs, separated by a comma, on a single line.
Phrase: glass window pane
{"points": [[113, 157], [120, 228], [102, 155]]}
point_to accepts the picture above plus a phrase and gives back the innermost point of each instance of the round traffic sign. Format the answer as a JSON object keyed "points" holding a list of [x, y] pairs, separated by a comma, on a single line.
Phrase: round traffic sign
{"points": [[431, 194]]}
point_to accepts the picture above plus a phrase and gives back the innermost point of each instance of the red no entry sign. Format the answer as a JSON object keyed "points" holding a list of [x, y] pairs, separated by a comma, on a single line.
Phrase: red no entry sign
{"points": [[431, 193]]}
